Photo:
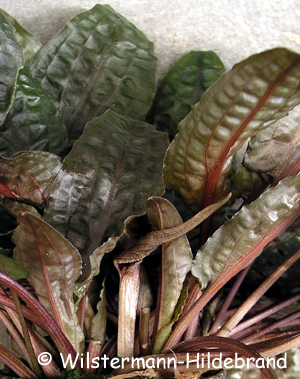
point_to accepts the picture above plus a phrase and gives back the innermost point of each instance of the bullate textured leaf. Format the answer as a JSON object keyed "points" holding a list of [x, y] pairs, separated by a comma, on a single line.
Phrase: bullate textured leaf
{"points": [[99, 60], [53, 265], [108, 176], [244, 236], [183, 87], [33, 122], [253, 94], [11, 60], [273, 149], [27, 175], [26, 40]]}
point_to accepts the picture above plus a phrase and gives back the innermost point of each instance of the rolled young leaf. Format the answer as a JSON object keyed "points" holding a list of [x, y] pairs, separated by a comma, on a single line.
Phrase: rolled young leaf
{"points": [[53, 265], [111, 171], [99, 60], [176, 263], [11, 60], [33, 122], [27, 175], [249, 97], [235, 244]]}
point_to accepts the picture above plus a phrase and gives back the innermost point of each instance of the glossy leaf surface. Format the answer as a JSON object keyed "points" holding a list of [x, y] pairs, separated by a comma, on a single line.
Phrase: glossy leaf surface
{"points": [[27, 175], [256, 92], [33, 122], [244, 236], [99, 60], [11, 60], [275, 150], [176, 261], [183, 87], [53, 265], [26, 40], [108, 176]]}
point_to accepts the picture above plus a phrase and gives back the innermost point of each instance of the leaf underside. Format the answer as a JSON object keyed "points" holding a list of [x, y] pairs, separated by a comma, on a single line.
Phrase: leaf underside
{"points": [[99, 60], [27, 175], [255, 93], [235, 244], [53, 265]]}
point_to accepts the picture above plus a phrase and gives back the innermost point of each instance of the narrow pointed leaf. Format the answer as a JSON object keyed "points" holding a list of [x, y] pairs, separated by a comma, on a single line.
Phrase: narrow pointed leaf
{"points": [[99, 60], [53, 265], [128, 301], [253, 94], [33, 122], [27, 175], [176, 260], [154, 239], [183, 87], [108, 176], [26, 40], [234, 245], [11, 60]]}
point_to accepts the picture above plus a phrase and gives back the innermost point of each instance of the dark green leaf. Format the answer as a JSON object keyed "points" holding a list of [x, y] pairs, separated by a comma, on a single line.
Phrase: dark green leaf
{"points": [[99, 60], [11, 60], [246, 182], [12, 268], [182, 87], [27, 41], [33, 122], [256, 92], [108, 176], [235, 244], [27, 175], [53, 265]]}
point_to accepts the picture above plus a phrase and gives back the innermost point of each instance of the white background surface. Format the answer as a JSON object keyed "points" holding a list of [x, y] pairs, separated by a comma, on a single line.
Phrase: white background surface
{"points": [[234, 29]]}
